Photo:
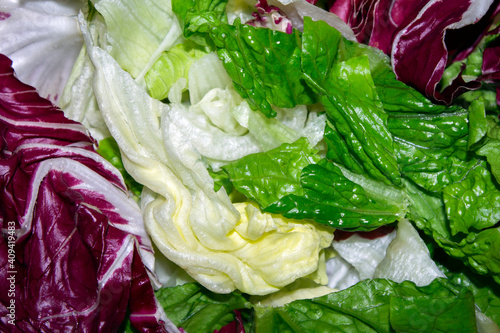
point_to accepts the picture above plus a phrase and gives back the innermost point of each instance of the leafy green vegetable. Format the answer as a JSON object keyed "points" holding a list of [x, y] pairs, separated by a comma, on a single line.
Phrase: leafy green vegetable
{"points": [[486, 294], [376, 306], [264, 64], [478, 122], [491, 147], [269, 176], [352, 105], [292, 181], [198, 310], [431, 131], [350, 99], [108, 148], [331, 198], [479, 250], [171, 66], [198, 17], [473, 202], [431, 149]]}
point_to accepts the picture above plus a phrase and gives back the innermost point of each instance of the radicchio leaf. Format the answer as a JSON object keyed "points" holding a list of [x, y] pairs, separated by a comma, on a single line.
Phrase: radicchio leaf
{"points": [[422, 37], [79, 254]]}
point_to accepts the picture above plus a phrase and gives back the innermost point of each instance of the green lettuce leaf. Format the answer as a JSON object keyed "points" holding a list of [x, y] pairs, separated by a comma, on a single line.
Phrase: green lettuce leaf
{"points": [[432, 149], [171, 66], [491, 147], [291, 180], [108, 148], [491, 151], [269, 176], [198, 310], [478, 122], [198, 17], [332, 198], [349, 96], [353, 108], [323, 46], [479, 249], [376, 306], [264, 64], [474, 202], [486, 294]]}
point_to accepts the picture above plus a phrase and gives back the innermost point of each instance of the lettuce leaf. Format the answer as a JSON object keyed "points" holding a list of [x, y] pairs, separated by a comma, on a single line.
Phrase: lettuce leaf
{"points": [[196, 309], [291, 180], [273, 174], [377, 305], [108, 148]]}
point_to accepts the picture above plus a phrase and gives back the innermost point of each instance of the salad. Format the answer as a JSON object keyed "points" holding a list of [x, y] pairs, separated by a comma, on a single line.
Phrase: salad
{"points": [[241, 165]]}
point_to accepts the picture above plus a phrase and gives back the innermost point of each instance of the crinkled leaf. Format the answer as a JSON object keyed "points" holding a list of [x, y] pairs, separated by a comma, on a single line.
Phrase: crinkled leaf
{"points": [[424, 314], [478, 249], [351, 102], [492, 152], [264, 64], [376, 306], [431, 149], [486, 294], [108, 148], [198, 310], [491, 149], [330, 197], [430, 131], [322, 46], [342, 78], [287, 181], [478, 122], [198, 17], [269, 176], [474, 202]]}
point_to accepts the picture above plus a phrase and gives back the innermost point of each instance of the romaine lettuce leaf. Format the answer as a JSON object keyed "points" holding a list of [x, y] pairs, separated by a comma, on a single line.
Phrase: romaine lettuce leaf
{"points": [[291, 180], [353, 107], [265, 66], [268, 177], [377, 305], [486, 293], [110, 151], [196, 309], [474, 202]]}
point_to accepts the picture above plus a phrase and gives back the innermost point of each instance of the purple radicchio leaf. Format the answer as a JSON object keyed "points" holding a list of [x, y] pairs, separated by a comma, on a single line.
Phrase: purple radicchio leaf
{"points": [[270, 17], [422, 37], [490, 68], [74, 254], [236, 326]]}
